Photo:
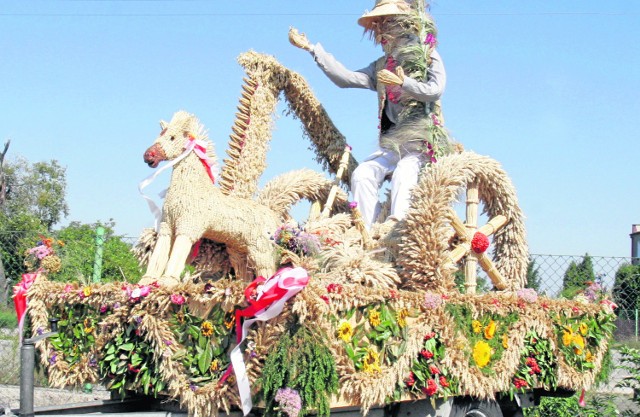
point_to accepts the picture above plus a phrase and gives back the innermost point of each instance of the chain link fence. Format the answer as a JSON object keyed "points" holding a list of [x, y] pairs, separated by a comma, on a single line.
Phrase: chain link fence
{"points": [[617, 275]]}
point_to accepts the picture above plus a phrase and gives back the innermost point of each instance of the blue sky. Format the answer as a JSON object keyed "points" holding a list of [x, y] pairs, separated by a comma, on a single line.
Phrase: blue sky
{"points": [[547, 88]]}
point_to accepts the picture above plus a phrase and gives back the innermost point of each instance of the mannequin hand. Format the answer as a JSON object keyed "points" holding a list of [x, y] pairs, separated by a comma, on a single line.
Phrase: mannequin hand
{"points": [[298, 39], [387, 77]]}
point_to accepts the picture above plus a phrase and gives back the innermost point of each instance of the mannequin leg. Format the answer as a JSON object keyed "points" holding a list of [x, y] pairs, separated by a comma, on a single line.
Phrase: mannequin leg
{"points": [[404, 178], [365, 183]]}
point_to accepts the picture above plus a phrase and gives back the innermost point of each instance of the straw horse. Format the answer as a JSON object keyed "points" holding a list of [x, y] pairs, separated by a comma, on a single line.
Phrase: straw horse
{"points": [[194, 208]]}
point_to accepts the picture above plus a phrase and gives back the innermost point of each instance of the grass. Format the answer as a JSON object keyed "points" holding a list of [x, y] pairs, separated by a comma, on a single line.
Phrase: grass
{"points": [[8, 318]]}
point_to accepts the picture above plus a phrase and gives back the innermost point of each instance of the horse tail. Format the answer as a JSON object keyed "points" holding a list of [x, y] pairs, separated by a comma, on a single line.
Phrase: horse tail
{"points": [[283, 191]]}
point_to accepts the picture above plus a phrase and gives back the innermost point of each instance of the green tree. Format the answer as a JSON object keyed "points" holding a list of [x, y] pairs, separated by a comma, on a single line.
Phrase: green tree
{"points": [[78, 254], [626, 288], [577, 276], [533, 275], [38, 189], [17, 234]]}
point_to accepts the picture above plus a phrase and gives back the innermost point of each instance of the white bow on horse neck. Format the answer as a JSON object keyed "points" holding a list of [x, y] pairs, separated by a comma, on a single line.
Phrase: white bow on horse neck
{"points": [[193, 144]]}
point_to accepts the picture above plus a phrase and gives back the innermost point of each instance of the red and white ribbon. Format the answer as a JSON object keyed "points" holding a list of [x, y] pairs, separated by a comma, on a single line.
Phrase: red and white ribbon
{"points": [[266, 298], [196, 145], [20, 299]]}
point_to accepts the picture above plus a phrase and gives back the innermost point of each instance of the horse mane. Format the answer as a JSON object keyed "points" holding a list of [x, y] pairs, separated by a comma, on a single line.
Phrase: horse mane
{"points": [[192, 124]]}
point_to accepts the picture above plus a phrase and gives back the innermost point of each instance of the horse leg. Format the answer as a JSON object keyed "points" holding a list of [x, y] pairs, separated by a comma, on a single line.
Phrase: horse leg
{"points": [[159, 256], [179, 253]]}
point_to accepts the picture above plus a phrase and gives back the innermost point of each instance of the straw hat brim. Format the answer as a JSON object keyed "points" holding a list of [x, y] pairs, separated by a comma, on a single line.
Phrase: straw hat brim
{"points": [[384, 8]]}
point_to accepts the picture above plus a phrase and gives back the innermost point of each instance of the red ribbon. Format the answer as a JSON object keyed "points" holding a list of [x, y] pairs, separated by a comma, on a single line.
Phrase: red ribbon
{"points": [[20, 297]]}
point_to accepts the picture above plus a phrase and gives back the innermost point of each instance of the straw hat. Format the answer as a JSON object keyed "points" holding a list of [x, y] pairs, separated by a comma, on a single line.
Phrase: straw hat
{"points": [[384, 8]]}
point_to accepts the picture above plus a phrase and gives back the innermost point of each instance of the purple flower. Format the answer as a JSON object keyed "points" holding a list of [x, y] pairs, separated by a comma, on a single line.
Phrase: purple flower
{"points": [[435, 120], [53, 359], [353, 205], [168, 342], [527, 294], [432, 301], [116, 306], [138, 319], [193, 387], [289, 401], [39, 331], [103, 308], [93, 362]]}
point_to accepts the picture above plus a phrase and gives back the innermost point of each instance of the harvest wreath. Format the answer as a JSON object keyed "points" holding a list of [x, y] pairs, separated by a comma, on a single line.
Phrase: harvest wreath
{"points": [[363, 345]]}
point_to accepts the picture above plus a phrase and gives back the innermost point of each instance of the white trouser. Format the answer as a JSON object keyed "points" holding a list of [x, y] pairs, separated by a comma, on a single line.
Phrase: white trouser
{"points": [[368, 177]]}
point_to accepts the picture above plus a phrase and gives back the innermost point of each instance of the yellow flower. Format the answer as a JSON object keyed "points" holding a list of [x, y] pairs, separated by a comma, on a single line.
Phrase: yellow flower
{"points": [[229, 324], [567, 337], [505, 341], [371, 361], [589, 357], [86, 291], [401, 316], [88, 330], [477, 326], [206, 328], [482, 353], [345, 331], [215, 365], [374, 317], [490, 330], [584, 329], [578, 341]]}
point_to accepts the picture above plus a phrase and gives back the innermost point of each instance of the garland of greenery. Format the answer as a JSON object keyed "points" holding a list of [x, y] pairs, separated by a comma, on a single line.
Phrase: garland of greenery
{"points": [[300, 365]]}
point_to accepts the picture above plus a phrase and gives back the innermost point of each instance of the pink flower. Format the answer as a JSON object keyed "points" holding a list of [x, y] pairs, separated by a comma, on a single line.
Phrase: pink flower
{"points": [[434, 370], [443, 382], [435, 120], [68, 288], [411, 380], [178, 299], [432, 300], [581, 401], [430, 40]]}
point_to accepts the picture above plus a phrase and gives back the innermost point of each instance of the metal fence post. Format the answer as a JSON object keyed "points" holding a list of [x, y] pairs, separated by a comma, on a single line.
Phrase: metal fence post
{"points": [[97, 264]]}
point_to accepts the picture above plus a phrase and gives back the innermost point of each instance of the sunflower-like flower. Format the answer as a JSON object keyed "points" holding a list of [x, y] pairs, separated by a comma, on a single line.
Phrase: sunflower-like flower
{"points": [[589, 357], [505, 341], [215, 365], [578, 341], [371, 361], [345, 331], [490, 330], [476, 326], [86, 291], [584, 328], [567, 336], [374, 318], [206, 328], [482, 353], [401, 317]]}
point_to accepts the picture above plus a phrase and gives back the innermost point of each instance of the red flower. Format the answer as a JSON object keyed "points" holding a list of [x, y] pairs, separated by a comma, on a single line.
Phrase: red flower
{"points": [[431, 387], [132, 368], [334, 288], [443, 382], [520, 383], [325, 298], [480, 242], [411, 380], [393, 294], [426, 354], [429, 336], [434, 370]]}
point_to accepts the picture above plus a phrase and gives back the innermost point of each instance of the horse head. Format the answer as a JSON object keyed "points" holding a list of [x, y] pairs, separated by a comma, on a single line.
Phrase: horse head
{"points": [[174, 137]]}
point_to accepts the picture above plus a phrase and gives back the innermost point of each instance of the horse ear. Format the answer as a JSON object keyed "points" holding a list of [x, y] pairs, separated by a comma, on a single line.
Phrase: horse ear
{"points": [[163, 125]]}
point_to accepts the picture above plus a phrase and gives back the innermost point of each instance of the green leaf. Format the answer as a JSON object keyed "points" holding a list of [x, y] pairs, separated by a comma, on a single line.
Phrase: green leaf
{"points": [[127, 347], [204, 361]]}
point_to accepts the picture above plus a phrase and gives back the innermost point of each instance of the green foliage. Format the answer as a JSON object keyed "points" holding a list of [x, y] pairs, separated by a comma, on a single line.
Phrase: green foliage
{"points": [[206, 342], [78, 255], [626, 289], [379, 336], [76, 330], [490, 329], [37, 189], [630, 362], [537, 365], [8, 318], [533, 275], [577, 277], [128, 363], [428, 374], [595, 406], [302, 361], [580, 335]]}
